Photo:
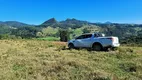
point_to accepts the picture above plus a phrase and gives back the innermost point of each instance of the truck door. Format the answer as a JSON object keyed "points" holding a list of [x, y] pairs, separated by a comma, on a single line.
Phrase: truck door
{"points": [[78, 41], [87, 40], [83, 41]]}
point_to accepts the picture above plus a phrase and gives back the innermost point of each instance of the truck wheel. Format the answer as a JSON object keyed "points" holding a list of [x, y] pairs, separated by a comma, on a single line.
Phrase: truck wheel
{"points": [[106, 49], [97, 47], [71, 46]]}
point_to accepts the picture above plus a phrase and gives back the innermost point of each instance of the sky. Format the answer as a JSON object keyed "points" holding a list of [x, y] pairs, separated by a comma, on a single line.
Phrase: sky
{"points": [[38, 11]]}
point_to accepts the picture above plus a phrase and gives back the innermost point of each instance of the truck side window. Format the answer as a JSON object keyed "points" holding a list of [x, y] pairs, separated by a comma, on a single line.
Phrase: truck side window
{"points": [[84, 36], [88, 36], [80, 37], [95, 35]]}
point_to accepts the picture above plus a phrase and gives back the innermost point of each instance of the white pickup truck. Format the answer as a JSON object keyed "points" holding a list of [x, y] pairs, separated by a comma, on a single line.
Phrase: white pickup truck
{"points": [[96, 41]]}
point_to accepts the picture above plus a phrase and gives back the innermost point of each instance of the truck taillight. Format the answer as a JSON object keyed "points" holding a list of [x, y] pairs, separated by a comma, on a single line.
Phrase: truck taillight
{"points": [[111, 39]]}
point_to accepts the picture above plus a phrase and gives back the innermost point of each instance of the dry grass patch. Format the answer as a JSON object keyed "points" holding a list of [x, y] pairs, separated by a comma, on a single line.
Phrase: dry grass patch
{"points": [[43, 60]]}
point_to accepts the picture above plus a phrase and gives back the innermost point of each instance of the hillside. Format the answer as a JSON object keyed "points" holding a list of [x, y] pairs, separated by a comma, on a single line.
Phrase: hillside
{"points": [[109, 28], [15, 24], [50, 21], [76, 27], [68, 23]]}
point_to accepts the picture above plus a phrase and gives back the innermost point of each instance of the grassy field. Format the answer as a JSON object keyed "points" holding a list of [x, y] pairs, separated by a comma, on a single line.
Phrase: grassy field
{"points": [[49, 39], [45, 60]]}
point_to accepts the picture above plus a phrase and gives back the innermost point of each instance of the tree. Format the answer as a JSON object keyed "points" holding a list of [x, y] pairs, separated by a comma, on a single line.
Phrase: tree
{"points": [[39, 34], [49, 31], [77, 32], [140, 33], [25, 32], [64, 35]]}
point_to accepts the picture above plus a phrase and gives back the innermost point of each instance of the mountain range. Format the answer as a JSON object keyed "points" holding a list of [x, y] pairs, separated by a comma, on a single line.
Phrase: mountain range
{"points": [[72, 23], [15, 24]]}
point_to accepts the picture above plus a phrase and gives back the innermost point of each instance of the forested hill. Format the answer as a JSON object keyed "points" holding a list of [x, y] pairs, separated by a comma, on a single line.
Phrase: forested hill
{"points": [[15, 24], [76, 27], [74, 23], [68, 23], [109, 28]]}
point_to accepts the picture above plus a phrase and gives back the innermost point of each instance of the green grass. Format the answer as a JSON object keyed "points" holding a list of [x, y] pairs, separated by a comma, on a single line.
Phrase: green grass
{"points": [[50, 39], [43, 60]]}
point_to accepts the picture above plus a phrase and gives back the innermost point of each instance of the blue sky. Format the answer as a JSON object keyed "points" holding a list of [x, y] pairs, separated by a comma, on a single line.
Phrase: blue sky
{"points": [[38, 11]]}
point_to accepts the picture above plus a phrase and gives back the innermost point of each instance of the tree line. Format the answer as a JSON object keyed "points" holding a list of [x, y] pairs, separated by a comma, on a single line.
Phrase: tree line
{"points": [[123, 32]]}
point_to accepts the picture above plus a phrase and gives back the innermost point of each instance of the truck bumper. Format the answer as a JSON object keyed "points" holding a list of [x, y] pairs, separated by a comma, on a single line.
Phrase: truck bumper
{"points": [[112, 45], [115, 45]]}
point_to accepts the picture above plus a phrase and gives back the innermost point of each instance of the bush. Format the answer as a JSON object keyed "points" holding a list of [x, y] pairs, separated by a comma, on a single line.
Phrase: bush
{"points": [[64, 35]]}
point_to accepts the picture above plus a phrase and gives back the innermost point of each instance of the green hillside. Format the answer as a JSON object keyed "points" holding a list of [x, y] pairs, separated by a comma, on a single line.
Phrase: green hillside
{"points": [[51, 27]]}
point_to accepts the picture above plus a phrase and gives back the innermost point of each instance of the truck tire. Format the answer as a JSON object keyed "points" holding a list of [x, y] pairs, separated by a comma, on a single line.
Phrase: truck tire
{"points": [[71, 46], [106, 49], [97, 47]]}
